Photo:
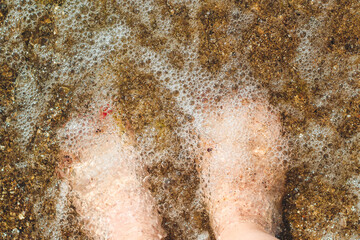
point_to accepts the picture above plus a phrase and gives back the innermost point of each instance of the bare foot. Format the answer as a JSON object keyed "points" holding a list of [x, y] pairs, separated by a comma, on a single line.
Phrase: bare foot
{"points": [[105, 176], [242, 169]]}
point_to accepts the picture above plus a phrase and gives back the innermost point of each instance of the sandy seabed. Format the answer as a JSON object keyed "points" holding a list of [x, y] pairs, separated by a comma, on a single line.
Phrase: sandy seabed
{"points": [[152, 66]]}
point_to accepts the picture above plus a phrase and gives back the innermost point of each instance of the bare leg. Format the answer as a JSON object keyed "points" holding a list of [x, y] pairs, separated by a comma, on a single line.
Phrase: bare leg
{"points": [[107, 187], [242, 170]]}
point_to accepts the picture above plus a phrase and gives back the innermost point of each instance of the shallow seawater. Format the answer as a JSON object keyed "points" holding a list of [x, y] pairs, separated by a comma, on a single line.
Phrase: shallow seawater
{"points": [[69, 67]]}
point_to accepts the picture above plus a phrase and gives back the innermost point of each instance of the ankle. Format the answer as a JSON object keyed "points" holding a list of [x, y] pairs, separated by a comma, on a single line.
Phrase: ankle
{"points": [[244, 231]]}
